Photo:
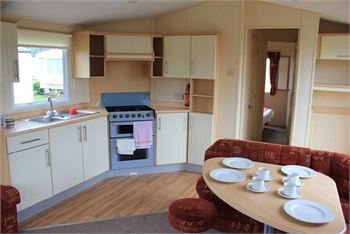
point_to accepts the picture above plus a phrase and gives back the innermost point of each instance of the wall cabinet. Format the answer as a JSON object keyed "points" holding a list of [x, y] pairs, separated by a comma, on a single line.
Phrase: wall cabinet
{"points": [[88, 55], [336, 46], [177, 56], [171, 138], [9, 56], [84, 155], [199, 136], [128, 47], [190, 56]]}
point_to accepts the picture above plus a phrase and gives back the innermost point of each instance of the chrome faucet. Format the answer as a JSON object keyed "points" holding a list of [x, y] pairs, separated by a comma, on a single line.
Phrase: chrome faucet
{"points": [[51, 112]]}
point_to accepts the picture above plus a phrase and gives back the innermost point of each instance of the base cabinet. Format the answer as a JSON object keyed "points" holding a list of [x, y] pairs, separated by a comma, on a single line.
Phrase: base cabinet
{"points": [[67, 156], [199, 136], [171, 138], [31, 174]]}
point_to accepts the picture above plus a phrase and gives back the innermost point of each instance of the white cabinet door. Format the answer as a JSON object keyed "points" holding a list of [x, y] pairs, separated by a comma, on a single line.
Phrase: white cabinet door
{"points": [[9, 57], [67, 156], [335, 47], [95, 147], [176, 56], [200, 136], [171, 138], [203, 57], [30, 172]]}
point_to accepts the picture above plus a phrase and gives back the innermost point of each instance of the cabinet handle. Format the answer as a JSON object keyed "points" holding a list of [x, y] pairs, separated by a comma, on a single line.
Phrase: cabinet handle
{"points": [[165, 67], [16, 72], [159, 124], [80, 134], [48, 157], [85, 133], [30, 141]]}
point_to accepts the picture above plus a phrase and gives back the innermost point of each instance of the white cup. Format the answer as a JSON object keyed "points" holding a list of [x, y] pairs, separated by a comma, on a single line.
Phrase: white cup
{"points": [[263, 173], [293, 178], [258, 184], [290, 189]]}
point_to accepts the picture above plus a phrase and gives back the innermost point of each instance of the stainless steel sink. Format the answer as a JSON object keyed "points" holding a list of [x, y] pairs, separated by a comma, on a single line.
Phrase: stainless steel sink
{"points": [[58, 117]]}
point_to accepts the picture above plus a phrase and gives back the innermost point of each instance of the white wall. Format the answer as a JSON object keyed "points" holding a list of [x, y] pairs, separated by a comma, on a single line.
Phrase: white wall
{"points": [[266, 15]]}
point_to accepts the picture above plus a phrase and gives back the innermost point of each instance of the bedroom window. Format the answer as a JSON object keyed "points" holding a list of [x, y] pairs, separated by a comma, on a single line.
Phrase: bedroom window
{"points": [[42, 73], [267, 77]]}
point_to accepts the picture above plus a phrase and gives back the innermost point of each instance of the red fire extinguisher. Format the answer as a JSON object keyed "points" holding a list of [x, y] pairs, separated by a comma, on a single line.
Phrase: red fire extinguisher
{"points": [[187, 95]]}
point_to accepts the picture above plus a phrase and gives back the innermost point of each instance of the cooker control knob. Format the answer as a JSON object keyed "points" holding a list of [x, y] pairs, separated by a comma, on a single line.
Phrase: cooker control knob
{"points": [[115, 116], [139, 115], [126, 115], [133, 115], [148, 115], [121, 115]]}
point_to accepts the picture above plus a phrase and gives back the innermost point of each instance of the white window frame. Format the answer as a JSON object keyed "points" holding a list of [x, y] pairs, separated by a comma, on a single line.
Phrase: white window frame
{"points": [[66, 73]]}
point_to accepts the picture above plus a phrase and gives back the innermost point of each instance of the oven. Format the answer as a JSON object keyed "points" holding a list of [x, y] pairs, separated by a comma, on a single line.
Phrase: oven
{"points": [[140, 157]]}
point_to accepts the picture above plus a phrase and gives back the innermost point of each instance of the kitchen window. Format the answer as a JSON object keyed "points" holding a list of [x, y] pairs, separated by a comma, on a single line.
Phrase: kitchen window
{"points": [[43, 64], [42, 73]]}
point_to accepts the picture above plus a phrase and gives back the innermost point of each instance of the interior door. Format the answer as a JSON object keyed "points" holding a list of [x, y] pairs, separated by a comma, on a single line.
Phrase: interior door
{"points": [[176, 56], [171, 138], [95, 147], [67, 156]]}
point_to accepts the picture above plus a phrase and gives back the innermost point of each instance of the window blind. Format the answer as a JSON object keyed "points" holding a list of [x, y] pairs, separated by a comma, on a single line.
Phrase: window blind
{"points": [[27, 37]]}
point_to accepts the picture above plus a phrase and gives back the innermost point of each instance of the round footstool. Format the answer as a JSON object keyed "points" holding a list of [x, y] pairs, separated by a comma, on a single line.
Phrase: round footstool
{"points": [[191, 215]]}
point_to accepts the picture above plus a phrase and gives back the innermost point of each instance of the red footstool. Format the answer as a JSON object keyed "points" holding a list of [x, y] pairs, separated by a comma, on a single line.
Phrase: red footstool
{"points": [[9, 199], [191, 215]]}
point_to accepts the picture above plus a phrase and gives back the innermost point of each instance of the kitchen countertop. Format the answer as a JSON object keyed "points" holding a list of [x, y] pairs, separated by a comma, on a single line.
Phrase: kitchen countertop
{"points": [[168, 109], [22, 127]]}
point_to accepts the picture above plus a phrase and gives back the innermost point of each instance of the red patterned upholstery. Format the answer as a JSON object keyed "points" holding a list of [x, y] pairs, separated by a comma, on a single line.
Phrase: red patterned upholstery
{"points": [[335, 165], [9, 199], [192, 215]]}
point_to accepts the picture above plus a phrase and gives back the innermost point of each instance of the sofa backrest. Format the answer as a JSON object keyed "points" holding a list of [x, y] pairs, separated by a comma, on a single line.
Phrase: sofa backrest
{"points": [[335, 165]]}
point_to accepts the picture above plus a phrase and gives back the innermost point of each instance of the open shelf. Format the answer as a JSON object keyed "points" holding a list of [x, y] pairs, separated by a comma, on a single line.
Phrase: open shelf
{"points": [[203, 87], [97, 66], [97, 56], [332, 87], [202, 105], [97, 45], [157, 65], [202, 96]]}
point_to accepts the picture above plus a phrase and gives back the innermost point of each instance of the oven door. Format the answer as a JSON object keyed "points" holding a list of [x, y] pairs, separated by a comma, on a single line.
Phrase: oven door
{"points": [[140, 158], [121, 129]]}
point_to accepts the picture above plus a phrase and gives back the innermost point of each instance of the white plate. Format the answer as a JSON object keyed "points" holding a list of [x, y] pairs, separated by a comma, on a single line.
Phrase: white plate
{"points": [[280, 192], [299, 183], [303, 172], [265, 189], [308, 211], [227, 175], [238, 163]]}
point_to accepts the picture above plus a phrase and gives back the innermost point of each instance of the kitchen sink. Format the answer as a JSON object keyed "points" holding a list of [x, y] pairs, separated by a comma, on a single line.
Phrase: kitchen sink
{"points": [[58, 117]]}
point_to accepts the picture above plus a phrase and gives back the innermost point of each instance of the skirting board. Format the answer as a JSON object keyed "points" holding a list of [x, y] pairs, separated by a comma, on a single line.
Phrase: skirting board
{"points": [[43, 205]]}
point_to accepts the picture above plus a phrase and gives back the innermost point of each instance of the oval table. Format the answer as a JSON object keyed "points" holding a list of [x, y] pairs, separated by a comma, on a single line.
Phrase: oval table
{"points": [[268, 207]]}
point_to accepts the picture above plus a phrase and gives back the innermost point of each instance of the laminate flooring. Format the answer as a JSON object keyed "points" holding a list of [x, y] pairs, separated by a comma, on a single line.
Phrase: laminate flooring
{"points": [[119, 196]]}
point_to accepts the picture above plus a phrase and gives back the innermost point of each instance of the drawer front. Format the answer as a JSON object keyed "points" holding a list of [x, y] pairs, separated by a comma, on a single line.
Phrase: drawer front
{"points": [[26, 141]]}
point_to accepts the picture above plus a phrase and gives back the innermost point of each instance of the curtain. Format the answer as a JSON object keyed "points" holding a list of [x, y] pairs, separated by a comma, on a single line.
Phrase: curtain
{"points": [[274, 60]]}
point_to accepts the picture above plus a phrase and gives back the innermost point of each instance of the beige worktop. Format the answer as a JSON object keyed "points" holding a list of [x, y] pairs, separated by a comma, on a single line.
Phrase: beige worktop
{"points": [[168, 109], [22, 127]]}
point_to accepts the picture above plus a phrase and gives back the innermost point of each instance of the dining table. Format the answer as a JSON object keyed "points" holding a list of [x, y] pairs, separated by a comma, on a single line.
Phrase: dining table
{"points": [[267, 207]]}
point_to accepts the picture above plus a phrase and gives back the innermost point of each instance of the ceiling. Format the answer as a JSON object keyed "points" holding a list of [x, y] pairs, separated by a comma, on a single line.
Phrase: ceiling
{"points": [[84, 12]]}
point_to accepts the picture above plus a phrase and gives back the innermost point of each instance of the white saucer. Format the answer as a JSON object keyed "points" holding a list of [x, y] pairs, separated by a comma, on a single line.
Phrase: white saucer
{"points": [[249, 186], [280, 192], [301, 183], [255, 175]]}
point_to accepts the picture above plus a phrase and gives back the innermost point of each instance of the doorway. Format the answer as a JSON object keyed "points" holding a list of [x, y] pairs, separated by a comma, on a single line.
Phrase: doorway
{"points": [[270, 68]]}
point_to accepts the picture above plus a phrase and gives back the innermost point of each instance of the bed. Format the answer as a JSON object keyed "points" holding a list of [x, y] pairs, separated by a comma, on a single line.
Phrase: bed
{"points": [[267, 115]]}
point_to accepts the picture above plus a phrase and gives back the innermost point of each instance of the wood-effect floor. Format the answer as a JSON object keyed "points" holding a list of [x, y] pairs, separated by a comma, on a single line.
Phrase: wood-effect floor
{"points": [[119, 196]]}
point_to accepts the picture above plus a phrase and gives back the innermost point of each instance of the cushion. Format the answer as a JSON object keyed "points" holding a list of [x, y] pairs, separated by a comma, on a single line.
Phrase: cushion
{"points": [[320, 161], [231, 225], [205, 193], [9, 197], [191, 215], [345, 207]]}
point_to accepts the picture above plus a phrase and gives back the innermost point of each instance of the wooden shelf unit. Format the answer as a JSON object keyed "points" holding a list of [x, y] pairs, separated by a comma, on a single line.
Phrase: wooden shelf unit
{"points": [[202, 96], [157, 64], [332, 87], [97, 55]]}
